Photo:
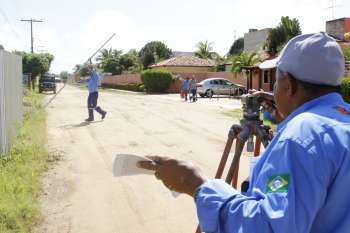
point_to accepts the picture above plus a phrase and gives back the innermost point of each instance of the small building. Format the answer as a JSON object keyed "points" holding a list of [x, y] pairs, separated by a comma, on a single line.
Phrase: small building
{"points": [[186, 64], [255, 39], [338, 27], [260, 77]]}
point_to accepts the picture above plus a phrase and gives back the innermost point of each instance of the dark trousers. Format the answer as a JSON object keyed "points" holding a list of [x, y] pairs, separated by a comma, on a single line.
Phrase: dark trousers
{"points": [[194, 95], [92, 104]]}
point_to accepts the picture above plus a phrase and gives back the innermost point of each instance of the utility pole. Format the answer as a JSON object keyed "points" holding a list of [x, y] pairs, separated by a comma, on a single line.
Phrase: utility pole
{"points": [[31, 31], [332, 7]]}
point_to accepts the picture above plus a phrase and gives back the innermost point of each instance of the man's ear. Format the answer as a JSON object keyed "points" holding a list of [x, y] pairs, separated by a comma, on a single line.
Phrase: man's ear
{"points": [[291, 85]]}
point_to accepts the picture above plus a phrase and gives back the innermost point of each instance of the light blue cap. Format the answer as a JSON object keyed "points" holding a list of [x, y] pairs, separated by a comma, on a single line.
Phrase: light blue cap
{"points": [[313, 58]]}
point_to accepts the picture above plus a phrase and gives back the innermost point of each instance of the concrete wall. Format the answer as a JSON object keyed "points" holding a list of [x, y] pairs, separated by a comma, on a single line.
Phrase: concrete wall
{"points": [[347, 25], [122, 79], [11, 95], [254, 40]]}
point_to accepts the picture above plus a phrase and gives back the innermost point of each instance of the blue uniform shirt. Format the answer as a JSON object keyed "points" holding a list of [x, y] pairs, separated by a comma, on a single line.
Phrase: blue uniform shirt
{"points": [[93, 81], [300, 184], [186, 84]]}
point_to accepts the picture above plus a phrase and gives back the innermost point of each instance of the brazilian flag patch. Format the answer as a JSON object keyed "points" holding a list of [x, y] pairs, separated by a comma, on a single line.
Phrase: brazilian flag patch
{"points": [[278, 183]]}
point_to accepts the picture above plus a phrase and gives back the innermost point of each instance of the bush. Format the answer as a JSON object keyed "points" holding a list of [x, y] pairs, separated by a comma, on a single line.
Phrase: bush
{"points": [[156, 80], [127, 87], [345, 89]]}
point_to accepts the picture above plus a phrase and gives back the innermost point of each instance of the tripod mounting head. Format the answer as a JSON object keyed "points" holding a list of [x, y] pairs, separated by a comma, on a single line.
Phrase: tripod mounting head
{"points": [[251, 105]]}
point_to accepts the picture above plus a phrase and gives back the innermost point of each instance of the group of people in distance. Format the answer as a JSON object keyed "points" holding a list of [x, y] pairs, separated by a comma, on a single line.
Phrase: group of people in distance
{"points": [[189, 89]]}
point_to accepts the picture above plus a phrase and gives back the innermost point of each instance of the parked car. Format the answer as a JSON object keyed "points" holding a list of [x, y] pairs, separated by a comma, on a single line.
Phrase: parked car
{"points": [[47, 83], [58, 79], [219, 86]]}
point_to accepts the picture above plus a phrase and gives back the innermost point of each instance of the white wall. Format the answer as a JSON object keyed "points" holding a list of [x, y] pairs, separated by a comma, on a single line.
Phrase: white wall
{"points": [[11, 95]]}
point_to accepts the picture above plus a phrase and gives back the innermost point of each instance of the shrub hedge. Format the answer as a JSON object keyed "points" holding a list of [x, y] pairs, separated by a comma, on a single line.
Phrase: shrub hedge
{"points": [[345, 89], [156, 80]]}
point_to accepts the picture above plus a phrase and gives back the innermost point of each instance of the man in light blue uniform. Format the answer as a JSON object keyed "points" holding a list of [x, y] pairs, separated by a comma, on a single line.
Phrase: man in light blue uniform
{"points": [[186, 87], [93, 82], [300, 184]]}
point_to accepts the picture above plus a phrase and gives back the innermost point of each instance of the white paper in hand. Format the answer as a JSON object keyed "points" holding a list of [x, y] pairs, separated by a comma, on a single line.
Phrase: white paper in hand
{"points": [[126, 165]]}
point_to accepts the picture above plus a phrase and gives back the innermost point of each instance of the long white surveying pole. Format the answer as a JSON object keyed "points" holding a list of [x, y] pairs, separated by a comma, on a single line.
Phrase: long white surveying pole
{"points": [[110, 38]]}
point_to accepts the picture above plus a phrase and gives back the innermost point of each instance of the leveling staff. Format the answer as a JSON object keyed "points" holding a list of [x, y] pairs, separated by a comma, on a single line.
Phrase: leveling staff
{"points": [[301, 182]]}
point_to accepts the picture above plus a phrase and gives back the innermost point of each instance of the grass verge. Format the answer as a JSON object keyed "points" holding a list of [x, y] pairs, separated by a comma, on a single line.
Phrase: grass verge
{"points": [[21, 170]]}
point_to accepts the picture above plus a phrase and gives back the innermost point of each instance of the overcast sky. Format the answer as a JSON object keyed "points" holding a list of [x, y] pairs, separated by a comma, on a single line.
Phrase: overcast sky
{"points": [[73, 29]]}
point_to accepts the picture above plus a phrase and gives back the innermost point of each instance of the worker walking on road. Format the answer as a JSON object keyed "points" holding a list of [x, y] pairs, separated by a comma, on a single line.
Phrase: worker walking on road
{"points": [[300, 183], [93, 82], [193, 88], [186, 87]]}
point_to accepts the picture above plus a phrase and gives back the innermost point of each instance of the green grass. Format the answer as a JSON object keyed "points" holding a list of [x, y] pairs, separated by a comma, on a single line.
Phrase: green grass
{"points": [[237, 114], [21, 170]]}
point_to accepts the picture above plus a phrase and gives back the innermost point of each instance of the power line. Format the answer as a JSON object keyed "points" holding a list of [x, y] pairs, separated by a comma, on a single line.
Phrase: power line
{"points": [[332, 7], [18, 37], [31, 30]]}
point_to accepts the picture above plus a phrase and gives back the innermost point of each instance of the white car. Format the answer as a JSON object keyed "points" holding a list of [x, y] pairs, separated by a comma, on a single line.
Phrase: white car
{"points": [[219, 86]]}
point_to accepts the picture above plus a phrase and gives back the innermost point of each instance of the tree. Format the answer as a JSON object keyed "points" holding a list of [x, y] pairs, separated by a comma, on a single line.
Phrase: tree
{"points": [[130, 62], [205, 50], [237, 47], [244, 59], [35, 64], [153, 52], [279, 36], [64, 75], [109, 61]]}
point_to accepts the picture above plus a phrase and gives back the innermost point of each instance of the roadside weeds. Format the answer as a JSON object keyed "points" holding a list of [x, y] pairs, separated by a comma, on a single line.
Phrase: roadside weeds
{"points": [[21, 170]]}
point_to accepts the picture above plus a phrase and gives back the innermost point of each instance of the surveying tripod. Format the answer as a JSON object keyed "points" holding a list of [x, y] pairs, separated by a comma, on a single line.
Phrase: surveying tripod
{"points": [[242, 133]]}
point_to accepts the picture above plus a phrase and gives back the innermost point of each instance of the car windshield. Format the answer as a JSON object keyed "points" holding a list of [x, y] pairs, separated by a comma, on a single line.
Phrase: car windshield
{"points": [[48, 78], [227, 82]]}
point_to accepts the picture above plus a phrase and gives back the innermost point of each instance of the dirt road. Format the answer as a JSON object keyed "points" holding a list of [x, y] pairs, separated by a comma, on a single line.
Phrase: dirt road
{"points": [[80, 193]]}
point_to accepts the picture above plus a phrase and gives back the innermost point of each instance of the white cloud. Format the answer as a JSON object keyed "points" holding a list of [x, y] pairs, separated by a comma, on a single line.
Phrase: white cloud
{"points": [[104, 24]]}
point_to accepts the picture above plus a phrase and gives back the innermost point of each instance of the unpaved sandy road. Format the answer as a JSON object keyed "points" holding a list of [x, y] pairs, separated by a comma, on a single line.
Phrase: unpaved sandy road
{"points": [[80, 193]]}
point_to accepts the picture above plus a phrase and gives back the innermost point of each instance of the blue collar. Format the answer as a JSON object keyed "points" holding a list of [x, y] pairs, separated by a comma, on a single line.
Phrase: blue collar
{"points": [[325, 99]]}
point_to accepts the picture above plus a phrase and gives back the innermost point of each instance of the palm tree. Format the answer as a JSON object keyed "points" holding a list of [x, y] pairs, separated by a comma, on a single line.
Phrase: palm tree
{"points": [[104, 55], [109, 61], [204, 50], [242, 60]]}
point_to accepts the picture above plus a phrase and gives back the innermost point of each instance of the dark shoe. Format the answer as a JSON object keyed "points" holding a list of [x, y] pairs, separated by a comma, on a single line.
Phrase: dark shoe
{"points": [[103, 115], [89, 119]]}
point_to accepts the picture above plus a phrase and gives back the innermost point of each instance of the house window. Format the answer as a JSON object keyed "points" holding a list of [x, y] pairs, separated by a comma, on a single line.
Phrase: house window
{"points": [[266, 76]]}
